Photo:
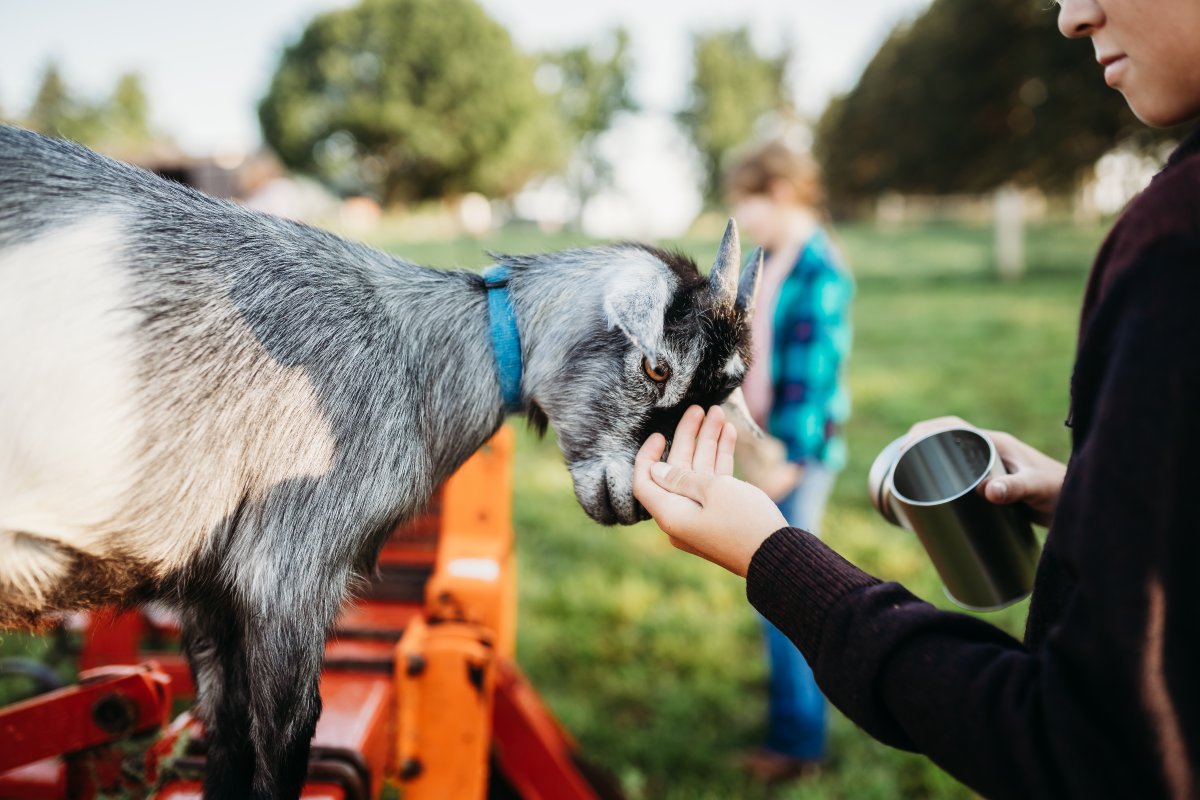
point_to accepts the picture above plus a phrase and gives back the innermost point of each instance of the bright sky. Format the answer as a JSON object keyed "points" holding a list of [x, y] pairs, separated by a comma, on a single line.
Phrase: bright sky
{"points": [[205, 64]]}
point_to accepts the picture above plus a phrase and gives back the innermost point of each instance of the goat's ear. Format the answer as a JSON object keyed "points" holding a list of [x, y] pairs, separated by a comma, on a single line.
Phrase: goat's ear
{"points": [[635, 301]]}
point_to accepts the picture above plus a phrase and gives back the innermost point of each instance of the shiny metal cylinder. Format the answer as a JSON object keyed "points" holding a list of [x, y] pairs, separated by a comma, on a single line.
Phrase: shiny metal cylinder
{"points": [[985, 554]]}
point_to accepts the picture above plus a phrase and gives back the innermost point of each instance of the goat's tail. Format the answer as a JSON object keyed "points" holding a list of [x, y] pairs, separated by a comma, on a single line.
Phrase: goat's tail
{"points": [[29, 569]]}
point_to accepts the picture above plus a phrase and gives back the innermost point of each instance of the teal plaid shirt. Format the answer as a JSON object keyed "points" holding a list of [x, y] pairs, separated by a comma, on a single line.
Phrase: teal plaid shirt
{"points": [[811, 337]]}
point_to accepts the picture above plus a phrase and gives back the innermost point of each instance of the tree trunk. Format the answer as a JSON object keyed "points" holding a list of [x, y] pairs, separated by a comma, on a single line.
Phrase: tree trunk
{"points": [[1009, 215]]}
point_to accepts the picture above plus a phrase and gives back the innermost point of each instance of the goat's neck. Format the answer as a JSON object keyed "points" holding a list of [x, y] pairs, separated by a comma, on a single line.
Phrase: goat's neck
{"points": [[441, 329], [442, 324], [557, 299]]}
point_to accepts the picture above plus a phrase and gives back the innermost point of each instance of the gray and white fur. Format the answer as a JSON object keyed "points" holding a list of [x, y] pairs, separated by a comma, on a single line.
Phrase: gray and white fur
{"points": [[229, 412]]}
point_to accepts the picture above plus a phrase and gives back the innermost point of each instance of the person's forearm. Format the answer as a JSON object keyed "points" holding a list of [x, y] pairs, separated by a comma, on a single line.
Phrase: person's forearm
{"points": [[950, 686]]}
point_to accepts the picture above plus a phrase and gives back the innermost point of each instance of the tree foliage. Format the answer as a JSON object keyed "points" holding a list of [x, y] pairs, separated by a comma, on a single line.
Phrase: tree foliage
{"points": [[732, 87], [57, 112], [410, 99], [120, 121], [591, 83], [590, 86], [127, 114], [972, 95]]}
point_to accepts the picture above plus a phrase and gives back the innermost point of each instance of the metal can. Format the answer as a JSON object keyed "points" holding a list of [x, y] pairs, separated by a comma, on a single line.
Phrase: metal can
{"points": [[985, 554]]}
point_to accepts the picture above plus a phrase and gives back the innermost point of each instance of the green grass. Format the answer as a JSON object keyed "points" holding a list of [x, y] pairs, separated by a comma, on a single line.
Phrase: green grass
{"points": [[652, 658]]}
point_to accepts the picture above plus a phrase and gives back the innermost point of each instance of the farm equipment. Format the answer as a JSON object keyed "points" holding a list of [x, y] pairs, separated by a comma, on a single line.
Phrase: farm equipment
{"points": [[420, 691]]}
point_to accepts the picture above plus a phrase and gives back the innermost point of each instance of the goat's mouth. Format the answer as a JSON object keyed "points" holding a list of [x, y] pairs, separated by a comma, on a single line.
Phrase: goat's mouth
{"points": [[605, 511], [606, 495]]}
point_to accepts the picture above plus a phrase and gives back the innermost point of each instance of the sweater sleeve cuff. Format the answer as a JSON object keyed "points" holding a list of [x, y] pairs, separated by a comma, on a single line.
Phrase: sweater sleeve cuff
{"points": [[795, 579]]}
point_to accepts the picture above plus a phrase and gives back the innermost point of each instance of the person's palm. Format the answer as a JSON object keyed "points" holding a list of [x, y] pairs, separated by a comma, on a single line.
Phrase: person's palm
{"points": [[694, 497]]}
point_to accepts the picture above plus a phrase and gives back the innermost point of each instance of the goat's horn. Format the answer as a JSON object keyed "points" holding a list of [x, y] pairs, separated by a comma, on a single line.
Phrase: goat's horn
{"points": [[722, 281], [748, 285]]}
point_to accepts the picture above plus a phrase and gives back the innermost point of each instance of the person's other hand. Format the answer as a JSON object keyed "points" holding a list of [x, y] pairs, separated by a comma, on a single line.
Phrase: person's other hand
{"points": [[694, 497], [1035, 479]]}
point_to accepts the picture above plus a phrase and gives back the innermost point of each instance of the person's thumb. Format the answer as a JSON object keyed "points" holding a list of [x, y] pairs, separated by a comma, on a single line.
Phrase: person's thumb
{"points": [[1006, 490], [678, 480]]}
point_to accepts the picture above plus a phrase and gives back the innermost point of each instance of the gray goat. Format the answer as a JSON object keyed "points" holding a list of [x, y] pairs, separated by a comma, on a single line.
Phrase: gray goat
{"points": [[228, 412]]}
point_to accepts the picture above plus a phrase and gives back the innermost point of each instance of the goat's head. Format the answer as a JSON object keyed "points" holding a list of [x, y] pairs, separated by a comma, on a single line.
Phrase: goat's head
{"points": [[658, 338]]}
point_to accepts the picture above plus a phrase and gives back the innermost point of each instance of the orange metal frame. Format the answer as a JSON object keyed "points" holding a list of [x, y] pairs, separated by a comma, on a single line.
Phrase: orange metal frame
{"points": [[419, 689]]}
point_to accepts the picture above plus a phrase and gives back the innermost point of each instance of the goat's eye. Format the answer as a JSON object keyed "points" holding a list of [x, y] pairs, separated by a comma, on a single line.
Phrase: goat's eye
{"points": [[659, 373]]}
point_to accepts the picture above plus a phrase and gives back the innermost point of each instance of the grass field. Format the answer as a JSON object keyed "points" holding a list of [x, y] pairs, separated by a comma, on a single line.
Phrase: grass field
{"points": [[652, 658]]}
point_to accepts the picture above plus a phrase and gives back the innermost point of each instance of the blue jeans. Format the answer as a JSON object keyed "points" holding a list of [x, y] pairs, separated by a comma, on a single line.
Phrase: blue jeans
{"points": [[796, 710]]}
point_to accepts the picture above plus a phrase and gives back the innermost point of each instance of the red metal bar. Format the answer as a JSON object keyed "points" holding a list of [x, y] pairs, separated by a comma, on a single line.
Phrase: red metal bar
{"points": [[534, 751], [354, 724], [112, 638], [109, 704], [41, 780]]}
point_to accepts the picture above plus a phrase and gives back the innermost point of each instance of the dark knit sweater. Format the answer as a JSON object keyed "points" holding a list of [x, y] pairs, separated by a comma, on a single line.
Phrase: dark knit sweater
{"points": [[1103, 697]]}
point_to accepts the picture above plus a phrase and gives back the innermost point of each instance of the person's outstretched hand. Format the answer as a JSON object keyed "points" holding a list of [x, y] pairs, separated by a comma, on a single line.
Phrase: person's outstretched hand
{"points": [[1034, 478], [694, 497]]}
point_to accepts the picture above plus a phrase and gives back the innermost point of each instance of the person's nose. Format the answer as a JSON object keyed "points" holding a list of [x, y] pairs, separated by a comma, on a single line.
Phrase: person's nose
{"points": [[1079, 18]]}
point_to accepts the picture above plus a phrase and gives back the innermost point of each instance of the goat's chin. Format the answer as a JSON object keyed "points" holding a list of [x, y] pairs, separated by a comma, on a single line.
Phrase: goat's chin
{"points": [[607, 514]]}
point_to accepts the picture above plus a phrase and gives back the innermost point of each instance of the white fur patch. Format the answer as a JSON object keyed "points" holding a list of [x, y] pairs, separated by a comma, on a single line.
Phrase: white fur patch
{"points": [[735, 367], [68, 421], [89, 459], [636, 297]]}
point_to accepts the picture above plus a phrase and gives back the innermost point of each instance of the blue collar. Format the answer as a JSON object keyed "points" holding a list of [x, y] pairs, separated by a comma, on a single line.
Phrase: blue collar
{"points": [[506, 339]]}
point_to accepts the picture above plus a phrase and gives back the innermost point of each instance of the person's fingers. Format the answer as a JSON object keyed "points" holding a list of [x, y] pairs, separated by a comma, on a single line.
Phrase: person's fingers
{"points": [[1010, 449], [725, 448], [684, 443], [649, 493], [704, 459], [1024, 482], [926, 427], [681, 481], [1009, 489], [651, 449]]}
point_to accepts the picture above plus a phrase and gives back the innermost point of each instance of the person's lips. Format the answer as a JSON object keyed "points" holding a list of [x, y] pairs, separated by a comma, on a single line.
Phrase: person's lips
{"points": [[1114, 66]]}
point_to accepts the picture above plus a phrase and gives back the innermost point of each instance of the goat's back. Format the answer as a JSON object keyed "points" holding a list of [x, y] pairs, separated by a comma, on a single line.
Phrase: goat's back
{"points": [[160, 353]]}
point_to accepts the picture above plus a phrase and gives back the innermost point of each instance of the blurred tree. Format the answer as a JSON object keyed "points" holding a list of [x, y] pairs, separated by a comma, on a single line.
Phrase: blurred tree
{"points": [[732, 86], [408, 100], [590, 85], [127, 115], [973, 95], [56, 111], [53, 110]]}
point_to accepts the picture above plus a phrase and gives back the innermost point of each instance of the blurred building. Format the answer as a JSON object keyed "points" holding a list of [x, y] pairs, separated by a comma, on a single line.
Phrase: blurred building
{"points": [[218, 175]]}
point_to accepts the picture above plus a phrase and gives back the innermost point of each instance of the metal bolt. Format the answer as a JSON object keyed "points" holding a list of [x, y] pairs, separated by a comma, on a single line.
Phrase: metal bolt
{"points": [[410, 769], [415, 664], [114, 713]]}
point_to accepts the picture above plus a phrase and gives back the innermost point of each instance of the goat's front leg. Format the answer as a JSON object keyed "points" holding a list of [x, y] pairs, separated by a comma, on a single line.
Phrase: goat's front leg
{"points": [[283, 644], [212, 643]]}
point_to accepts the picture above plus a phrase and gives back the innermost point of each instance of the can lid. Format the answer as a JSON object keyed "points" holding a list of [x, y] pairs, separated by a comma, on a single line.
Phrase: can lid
{"points": [[879, 478]]}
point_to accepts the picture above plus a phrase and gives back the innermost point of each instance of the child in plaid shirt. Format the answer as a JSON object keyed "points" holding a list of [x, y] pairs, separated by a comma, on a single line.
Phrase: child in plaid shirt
{"points": [[795, 390]]}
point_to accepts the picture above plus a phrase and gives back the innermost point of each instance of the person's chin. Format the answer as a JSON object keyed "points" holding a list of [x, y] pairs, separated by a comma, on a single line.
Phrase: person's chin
{"points": [[1157, 112], [1159, 118]]}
